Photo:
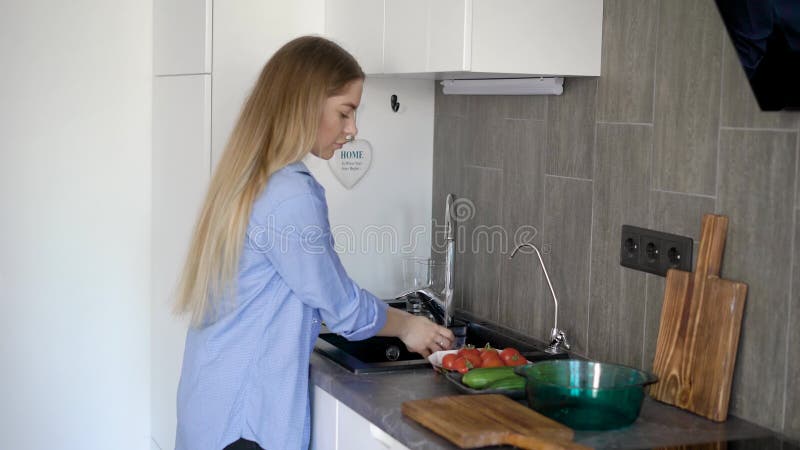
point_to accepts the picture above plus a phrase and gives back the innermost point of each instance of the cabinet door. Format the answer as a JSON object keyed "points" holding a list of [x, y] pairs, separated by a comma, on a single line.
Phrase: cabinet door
{"points": [[426, 36], [449, 31], [547, 37], [246, 34], [357, 432], [406, 38], [357, 25], [323, 420], [181, 37], [181, 171]]}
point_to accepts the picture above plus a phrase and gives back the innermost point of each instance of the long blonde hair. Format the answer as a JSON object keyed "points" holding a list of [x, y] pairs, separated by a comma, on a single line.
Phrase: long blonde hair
{"points": [[277, 126]]}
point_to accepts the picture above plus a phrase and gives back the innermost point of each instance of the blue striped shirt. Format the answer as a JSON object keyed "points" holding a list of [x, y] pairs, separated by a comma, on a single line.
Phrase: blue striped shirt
{"points": [[245, 373]]}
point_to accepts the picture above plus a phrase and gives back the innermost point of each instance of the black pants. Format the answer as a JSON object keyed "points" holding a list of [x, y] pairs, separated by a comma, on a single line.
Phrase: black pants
{"points": [[243, 444]]}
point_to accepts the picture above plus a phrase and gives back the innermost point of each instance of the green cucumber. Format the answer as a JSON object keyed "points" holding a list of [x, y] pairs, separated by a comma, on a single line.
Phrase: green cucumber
{"points": [[480, 378], [515, 383]]}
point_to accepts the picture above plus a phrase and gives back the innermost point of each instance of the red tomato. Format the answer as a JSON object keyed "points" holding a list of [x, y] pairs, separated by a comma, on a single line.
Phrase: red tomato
{"points": [[492, 362], [516, 360], [473, 360], [489, 352], [469, 350], [490, 356], [508, 353], [460, 364], [448, 360]]}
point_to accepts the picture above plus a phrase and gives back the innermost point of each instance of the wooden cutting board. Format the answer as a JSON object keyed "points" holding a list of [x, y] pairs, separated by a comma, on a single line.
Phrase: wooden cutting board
{"points": [[698, 337], [471, 421]]}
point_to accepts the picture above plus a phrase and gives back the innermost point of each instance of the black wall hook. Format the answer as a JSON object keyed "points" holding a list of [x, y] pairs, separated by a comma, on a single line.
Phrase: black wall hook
{"points": [[395, 103]]}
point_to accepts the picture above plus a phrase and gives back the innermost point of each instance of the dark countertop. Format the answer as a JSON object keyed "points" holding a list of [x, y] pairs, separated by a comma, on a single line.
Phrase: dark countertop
{"points": [[378, 397]]}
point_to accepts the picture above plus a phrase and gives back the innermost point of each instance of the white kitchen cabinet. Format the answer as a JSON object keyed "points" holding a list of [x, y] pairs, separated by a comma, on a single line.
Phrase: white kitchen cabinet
{"points": [[474, 38], [246, 34], [548, 37], [357, 432], [334, 426], [323, 420], [406, 36], [365, 39], [182, 37], [424, 36], [180, 170]]}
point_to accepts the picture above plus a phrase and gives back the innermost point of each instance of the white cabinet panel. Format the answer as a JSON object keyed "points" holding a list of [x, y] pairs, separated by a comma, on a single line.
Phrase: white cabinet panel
{"points": [[180, 168], [448, 36], [365, 39], [181, 37], [546, 37], [480, 38], [323, 420], [356, 432], [246, 34], [406, 40]]}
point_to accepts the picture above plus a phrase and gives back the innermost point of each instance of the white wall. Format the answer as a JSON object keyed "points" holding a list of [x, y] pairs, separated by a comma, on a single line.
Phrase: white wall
{"points": [[387, 214], [75, 120]]}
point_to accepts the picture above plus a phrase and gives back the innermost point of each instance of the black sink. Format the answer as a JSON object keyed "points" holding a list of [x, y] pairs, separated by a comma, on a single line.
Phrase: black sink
{"points": [[382, 354]]}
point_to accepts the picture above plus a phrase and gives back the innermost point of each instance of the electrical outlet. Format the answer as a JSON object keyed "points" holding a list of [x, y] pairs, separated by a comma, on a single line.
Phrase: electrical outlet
{"points": [[654, 251]]}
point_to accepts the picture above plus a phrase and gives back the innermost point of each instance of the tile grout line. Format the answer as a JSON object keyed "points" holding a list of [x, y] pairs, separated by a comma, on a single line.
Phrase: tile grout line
{"points": [[688, 194], [591, 213], [499, 282], [569, 178], [651, 206], [655, 65], [544, 233], [591, 238], [524, 119], [475, 166], [638, 124], [543, 167], [776, 130], [651, 214], [717, 174], [792, 269]]}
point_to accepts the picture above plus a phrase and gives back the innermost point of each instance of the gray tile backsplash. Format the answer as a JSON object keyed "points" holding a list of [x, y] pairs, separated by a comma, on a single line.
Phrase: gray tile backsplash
{"points": [[507, 107], [621, 196], [480, 256], [669, 132], [755, 168], [792, 393], [567, 239], [570, 130], [687, 92], [523, 179], [625, 91]]}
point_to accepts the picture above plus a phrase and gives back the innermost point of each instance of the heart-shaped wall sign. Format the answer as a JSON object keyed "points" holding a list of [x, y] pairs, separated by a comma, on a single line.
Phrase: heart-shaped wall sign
{"points": [[351, 162]]}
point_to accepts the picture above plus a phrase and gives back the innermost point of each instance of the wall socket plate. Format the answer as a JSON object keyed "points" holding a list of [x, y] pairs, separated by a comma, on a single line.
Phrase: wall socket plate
{"points": [[654, 251]]}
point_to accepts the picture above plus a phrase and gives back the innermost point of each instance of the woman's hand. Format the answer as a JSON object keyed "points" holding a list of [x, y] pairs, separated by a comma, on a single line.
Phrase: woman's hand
{"points": [[425, 337], [418, 333]]}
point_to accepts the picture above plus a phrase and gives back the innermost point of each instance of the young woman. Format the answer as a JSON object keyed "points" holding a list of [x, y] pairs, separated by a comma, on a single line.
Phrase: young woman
{"points": [[262, 273]]}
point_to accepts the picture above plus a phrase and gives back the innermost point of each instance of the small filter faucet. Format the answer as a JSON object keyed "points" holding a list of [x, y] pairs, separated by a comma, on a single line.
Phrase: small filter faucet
{"points": [[558, 338]]}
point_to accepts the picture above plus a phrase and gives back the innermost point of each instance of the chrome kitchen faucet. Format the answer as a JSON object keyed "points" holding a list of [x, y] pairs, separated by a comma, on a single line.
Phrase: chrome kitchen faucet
{"points": [[558, 338], [442, 301]]}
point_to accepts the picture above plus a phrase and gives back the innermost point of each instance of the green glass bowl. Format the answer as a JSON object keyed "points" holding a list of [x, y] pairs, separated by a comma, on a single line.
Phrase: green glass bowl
{"points": [[585, 395]]}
